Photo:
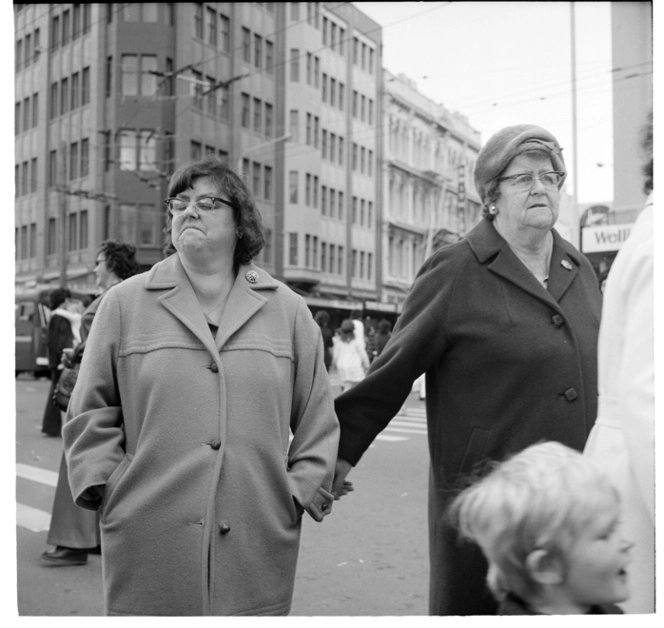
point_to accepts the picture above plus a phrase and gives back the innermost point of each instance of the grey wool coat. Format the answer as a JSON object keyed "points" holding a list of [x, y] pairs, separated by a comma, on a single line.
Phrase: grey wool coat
{"points": [[508, 363], [189, 437]]}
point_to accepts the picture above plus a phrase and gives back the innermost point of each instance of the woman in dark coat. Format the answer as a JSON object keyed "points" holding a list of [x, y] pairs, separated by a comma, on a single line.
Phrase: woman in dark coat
{"points": [[504, 324], [60, 337], [74, 531]]}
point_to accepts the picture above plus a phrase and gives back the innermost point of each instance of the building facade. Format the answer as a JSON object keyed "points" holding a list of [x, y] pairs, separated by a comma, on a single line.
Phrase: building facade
{"points": [[111, 98], [430, 197]]}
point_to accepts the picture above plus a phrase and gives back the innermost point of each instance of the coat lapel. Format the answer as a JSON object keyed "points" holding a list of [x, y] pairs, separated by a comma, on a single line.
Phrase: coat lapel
{"points": [[491, 249], [245, 299]]}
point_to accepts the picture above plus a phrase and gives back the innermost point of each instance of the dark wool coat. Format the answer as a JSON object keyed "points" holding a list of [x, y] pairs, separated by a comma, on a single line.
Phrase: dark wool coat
{"points": [[191, 437], [508, 363]]}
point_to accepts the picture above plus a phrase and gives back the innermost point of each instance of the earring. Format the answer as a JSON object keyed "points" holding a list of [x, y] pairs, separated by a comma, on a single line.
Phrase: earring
{"points": [[493, 210], [238, 233]]}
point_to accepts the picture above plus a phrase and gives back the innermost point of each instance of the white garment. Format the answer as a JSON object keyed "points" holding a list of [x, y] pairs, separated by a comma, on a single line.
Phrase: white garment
{"points": [[74, 319], [622, 439], [351, 360], [359, 333]]}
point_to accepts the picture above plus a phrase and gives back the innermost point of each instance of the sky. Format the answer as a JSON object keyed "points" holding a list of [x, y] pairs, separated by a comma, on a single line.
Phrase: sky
{"points": [[506, 63]]}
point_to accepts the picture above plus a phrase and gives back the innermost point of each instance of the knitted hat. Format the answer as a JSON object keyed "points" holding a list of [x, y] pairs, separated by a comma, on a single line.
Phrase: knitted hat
{"points": [[509, 142]]}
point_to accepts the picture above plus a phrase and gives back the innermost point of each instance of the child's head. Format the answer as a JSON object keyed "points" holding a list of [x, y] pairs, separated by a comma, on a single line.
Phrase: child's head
{"points": [[546, 520], [347, 330]]}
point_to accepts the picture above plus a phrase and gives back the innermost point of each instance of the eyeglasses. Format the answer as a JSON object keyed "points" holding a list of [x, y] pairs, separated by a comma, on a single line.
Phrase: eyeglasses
{"points": [[207, 204], [525, 180]]}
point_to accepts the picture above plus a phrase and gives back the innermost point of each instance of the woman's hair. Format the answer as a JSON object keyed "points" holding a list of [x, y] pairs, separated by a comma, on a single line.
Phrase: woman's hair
{"points": [[322, 318], [384, 326], [120, 258], [492, 191], [247, 217], [347, 330], [58, 297], [541, 498]]}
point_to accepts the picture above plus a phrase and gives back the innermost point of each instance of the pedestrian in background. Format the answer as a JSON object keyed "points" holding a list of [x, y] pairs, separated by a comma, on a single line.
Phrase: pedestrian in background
{"points": [[350, 358], [381, 337], [74, 531], [504, 323], [323, 320], [622, 441], [548, 522], [60, 337], [202, 424]]}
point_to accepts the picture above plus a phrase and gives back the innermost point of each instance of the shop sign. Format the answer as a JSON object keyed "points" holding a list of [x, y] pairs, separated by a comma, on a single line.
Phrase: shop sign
{"points": [[604, 238]]}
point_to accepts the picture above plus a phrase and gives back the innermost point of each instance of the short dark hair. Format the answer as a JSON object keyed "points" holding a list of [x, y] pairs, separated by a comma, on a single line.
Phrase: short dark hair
{"points": [[646, 145], [322, 318], [120, 258], [245, 212], [384, 326], [58, 297]]}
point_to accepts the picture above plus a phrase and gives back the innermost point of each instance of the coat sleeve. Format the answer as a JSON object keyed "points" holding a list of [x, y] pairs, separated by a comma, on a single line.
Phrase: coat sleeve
{"points": [[60, 337], [417, 342], [93, 434], [313, 451], [636, 376]]}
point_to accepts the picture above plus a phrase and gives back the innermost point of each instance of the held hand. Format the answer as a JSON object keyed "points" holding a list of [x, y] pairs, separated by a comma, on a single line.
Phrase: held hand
{"points": [[340, 486]]}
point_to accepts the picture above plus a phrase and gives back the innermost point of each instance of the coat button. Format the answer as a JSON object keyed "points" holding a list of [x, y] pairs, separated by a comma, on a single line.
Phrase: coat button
{"points": [[214, 368], [224, 528], [215, 444], [571, 394], [557, 320]]}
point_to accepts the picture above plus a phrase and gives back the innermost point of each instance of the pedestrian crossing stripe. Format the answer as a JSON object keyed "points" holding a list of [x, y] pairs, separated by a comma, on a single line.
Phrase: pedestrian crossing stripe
{"points": [[32, 519], [36, 474]]}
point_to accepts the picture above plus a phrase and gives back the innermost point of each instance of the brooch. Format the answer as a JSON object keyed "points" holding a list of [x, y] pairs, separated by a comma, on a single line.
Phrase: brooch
{"points": [[566, 265], [251, 276]]}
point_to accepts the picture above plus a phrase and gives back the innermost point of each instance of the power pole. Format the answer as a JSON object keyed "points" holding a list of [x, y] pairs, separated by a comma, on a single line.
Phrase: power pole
{"points": [[62, 197]]}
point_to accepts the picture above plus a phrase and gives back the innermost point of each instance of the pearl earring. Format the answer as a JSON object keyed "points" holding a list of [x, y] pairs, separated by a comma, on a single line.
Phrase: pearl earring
{"points": [[493, 210], [238, 233]]}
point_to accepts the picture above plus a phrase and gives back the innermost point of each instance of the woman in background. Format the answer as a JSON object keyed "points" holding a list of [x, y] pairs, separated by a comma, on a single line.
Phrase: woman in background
{"points": [[350, 357]]}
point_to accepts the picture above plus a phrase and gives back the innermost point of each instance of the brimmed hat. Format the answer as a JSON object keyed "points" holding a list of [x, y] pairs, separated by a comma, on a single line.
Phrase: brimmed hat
{"points": [[509, 142]]}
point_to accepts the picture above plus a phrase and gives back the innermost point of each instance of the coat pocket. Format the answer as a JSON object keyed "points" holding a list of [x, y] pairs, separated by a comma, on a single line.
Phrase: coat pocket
{"points": [[473, 455], [112, 482]]}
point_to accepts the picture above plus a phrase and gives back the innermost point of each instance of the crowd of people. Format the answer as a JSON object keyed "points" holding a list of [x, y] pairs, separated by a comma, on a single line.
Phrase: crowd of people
{"points": [[195, 487]]}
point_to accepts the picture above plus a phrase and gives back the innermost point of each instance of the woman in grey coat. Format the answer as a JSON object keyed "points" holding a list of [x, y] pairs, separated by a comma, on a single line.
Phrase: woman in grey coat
{"points": [[202, 426], [504, 324]]}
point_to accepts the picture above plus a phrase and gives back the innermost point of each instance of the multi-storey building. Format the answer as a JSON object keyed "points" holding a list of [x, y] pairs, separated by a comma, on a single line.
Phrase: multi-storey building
{"points": [[430, 197], [110, 98]]}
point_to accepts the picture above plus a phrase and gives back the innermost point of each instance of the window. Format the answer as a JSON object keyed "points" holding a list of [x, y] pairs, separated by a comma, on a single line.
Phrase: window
{"points": [[323, 200], [292, 249], [132, 12], [295, 11], [340, 260], [355, 268], [333, 91], [332, 257], [324, 88], [72, 221], [225, 27], [363, 106], [341, 207], [256, 179], [307, 250], [269, 56], [85, 86], [267, 183], [17, 180], [269, 116], [73, 160], [245, 110], [333, 201], [246, 44], [75, 90], [147, 150], [245, 171], [65, 28], [354, 211], [316, 128], [150, 12], [294, 125], [342, 41], [315, 192], [354, 161], [333, 36], [307, 190], [52, 168], [323, 256], [76, 22], [28, 50], [19, 54], [198, 20], [17, 118], [295, 65], [325, 23], [363, 59], [64, 96], [222, 95], [323, 144], [33, 239], [258, 51], [129, 75], [356, 50], [341, 151], [267, 248], [197, 88], [148, 225], [371, 61], [36, 49], [85, 157], [25, 181], [258, 115], [148, 79], [316, 72], [196, 150], [127, 150], [55, 32], [211, 98], [363, 152], [355, 103], [362, 210], [342, 95], [212, 26], [370, 111], [26, 114], [33, 174], [132, 67], [292, 183], [51, 241], [83, 229], [369, 213], [109, 76], [86, 18], [370, 163]]}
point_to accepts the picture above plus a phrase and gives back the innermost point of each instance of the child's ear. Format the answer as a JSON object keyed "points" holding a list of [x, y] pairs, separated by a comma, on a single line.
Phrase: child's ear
{"points": [[545, 567]]}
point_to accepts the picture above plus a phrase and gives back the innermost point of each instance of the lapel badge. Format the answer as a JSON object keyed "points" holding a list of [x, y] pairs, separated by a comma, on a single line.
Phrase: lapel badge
{"points": [[251, 276], [566, 265]]}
